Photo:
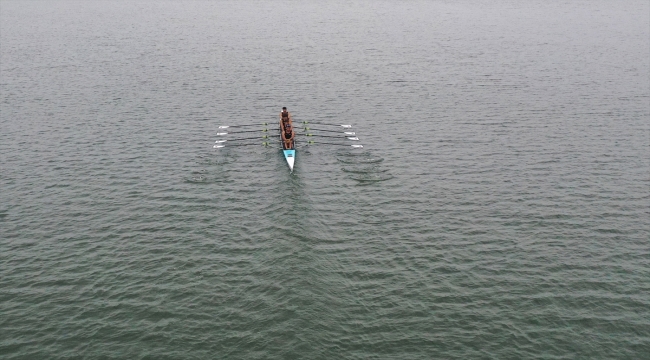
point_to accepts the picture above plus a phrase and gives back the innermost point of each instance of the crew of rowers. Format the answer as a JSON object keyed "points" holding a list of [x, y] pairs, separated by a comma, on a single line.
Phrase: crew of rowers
{"points": [[286, 126]]}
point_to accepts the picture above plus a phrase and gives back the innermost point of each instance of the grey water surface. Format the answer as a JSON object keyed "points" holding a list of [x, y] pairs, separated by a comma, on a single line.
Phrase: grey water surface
{"points": [[498, 210]]}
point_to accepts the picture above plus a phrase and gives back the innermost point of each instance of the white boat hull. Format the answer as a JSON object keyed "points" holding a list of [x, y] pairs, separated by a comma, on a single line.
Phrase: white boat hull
{"points": [[290, 156]]}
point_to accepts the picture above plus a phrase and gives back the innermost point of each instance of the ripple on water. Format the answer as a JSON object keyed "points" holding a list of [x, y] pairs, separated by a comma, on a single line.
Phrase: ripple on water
{"points": [[364, 158], [364, 167], [498, 210], [371, 178]]}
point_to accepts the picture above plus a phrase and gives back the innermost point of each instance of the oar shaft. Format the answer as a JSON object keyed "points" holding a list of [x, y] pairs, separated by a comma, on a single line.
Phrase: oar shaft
{"points": [[329, 136], [327, 143], [248, 138], [223, 145], [238, 126], [263, 144], [340, 125], [334, 131], [249, 131]]}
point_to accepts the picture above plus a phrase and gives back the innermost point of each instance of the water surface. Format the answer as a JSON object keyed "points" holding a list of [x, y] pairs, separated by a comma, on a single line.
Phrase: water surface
{"points": [[499, 208]]}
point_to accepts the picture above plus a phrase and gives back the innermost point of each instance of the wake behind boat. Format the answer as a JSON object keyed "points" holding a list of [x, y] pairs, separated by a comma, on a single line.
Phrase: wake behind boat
{"points": [[290, 137]]}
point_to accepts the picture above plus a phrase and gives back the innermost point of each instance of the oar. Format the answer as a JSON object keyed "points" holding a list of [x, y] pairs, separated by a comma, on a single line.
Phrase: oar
{"points": [[238, 126], [250, 138], [330, 136], [343, 126], [334, 131], [241, 132], [221, 146], [326, 143]]}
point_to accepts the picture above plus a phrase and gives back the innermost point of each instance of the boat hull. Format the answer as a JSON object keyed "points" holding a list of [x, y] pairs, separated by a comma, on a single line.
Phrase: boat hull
{"points": [[290, 156], [289, 152]]}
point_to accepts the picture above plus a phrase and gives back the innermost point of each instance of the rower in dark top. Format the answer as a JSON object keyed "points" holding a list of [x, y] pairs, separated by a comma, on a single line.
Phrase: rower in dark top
{"points": [[285, 114], [288, 129], [287, 137]]}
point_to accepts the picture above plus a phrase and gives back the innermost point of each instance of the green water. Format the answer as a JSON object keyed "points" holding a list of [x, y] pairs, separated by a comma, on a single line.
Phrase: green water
{"points": [[498, 209]]}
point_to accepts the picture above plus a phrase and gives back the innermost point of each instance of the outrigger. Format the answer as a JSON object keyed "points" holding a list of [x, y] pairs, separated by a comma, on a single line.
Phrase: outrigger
{"points": [[288, 136]]}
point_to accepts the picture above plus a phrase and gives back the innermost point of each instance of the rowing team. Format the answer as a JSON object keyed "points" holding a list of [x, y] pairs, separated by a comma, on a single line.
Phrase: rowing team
{"points": [[286, 130]]}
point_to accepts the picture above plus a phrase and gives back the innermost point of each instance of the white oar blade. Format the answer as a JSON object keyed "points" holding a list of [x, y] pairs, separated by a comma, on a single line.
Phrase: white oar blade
{"points": [[220, 141], [349, 133], [354, 138], [357, 146], [218, 146], [223, 127], [222, 134], [346, 126]]}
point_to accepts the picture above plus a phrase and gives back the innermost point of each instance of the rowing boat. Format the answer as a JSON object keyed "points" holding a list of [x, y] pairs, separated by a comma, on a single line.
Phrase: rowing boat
{"points": [[289, 152]]}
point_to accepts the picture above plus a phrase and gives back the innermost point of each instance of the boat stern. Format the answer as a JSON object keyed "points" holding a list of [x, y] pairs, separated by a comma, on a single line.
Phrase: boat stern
{"points": [[290, 156]]}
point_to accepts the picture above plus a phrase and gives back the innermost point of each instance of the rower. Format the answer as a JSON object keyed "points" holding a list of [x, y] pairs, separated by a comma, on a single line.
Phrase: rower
{"points": [[286, 129], [287, 134], [285, 114]]}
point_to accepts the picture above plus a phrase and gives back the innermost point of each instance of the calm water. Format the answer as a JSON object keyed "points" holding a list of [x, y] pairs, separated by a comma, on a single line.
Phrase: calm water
{"points": [[499, 209]]}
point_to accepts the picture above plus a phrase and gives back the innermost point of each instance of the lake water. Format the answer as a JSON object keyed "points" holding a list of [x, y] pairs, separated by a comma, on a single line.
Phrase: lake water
{"points": [[499, 208]]}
